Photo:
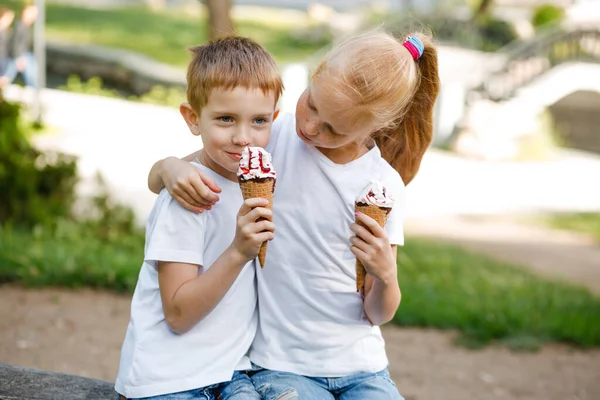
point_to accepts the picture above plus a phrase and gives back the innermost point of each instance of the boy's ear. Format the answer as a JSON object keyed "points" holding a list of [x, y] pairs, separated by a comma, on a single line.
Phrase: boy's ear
{"points": [[191, 117]]}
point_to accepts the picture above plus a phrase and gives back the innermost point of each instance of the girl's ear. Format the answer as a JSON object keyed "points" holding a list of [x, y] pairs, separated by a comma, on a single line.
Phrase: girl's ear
{"points": [[190, 117]]}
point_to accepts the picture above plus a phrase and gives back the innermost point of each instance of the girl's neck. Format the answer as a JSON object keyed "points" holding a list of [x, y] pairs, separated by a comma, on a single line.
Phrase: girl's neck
{"points": [[348, 153]]}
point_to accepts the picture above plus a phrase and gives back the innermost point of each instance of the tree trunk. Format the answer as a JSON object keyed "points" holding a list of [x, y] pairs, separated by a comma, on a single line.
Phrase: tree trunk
{"points": [[220, 22], [483, 9]]}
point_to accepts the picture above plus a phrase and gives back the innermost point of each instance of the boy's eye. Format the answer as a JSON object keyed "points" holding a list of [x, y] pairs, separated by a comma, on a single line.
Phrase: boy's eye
{"points": [[225, 119], [260, 121]]}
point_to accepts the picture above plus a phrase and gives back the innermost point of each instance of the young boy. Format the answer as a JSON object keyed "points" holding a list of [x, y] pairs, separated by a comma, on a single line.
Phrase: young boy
{"points": [[193, 313]]}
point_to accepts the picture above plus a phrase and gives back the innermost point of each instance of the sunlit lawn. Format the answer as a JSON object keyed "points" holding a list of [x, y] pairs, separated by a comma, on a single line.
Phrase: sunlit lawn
{"points": [[163, 36], [587, 223]]}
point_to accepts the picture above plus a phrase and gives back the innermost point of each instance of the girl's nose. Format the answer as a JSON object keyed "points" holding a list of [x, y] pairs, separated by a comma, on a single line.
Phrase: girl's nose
{"points": [[311, 127]]}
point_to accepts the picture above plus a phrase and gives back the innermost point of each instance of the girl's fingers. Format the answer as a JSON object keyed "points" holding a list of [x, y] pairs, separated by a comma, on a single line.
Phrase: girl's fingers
{"points": [[371, 224], [363, 233], [210, 183], [361, 255], [186, 201], [201, 191], [359, 243], [191, 197]]}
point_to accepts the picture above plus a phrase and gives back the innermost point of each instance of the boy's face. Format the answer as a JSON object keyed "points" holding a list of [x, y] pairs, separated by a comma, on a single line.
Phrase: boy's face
{"points": [[230, 121]]}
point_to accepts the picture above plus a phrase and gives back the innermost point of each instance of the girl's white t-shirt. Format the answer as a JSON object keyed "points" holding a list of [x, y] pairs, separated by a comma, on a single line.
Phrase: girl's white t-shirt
{"points": [[154, 359], [311, 319]]}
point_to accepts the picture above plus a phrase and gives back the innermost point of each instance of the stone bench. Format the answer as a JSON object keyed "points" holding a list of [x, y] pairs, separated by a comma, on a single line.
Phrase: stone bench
{"points": [[20, 383]]}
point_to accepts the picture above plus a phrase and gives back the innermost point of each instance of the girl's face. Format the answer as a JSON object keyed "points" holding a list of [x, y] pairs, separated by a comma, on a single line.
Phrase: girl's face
{"points": [[318, 124]]}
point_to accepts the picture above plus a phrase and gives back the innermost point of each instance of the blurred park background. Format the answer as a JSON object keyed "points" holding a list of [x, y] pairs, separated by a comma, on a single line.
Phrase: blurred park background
{"points": [[500, 274]]}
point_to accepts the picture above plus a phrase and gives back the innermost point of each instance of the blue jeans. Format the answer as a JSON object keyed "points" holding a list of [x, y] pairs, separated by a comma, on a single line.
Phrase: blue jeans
{"points": [[238, 388], [278, 385], [29, 73]]}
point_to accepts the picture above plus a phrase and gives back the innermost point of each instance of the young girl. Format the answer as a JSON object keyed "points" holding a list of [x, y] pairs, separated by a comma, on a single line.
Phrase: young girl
{"points": [[367, 115]]}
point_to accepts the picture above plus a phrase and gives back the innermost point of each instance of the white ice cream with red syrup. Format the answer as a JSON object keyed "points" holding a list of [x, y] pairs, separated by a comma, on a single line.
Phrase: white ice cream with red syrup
{"points": [[255, 164], [375, 194]]}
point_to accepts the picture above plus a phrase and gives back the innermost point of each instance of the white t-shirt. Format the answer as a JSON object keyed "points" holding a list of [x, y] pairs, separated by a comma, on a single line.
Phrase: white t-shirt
{"points": [[311, 319], [154, 359]]}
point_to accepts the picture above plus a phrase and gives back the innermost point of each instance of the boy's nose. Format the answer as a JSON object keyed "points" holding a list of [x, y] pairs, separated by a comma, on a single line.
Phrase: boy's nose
{"points": [[242, 136]]}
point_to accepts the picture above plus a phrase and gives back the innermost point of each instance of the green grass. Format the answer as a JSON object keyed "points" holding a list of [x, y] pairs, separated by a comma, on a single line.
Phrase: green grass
{"points": [[70, 255], [587, 223], [164, 35], [443, 286]]}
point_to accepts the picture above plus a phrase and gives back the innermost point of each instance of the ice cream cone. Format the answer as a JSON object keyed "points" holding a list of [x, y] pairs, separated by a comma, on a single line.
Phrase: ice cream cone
{"points": [[256, 176], [263, 188], [375, 202], [380, 215]]}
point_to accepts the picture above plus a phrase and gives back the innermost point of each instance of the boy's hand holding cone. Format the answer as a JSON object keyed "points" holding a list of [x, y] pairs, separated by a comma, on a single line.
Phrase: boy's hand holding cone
{"points": [[375, 202], [256, 176]]}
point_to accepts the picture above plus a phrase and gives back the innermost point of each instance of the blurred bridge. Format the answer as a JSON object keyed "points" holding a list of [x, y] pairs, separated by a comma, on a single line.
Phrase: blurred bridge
{"points": [[557, 71]]}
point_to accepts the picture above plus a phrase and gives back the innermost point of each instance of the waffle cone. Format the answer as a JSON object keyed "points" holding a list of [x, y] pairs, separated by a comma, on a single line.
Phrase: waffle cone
{"points": [[259, 188], [380, 215]]}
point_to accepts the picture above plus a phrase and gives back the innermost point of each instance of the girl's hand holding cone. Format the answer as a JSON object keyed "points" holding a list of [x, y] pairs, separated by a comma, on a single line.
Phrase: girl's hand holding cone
{"points": [[372, 248]]}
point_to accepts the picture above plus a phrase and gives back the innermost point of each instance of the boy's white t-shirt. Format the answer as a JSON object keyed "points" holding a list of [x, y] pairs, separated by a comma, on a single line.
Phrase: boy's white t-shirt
{"points": [[311, 319], [154, 359]]}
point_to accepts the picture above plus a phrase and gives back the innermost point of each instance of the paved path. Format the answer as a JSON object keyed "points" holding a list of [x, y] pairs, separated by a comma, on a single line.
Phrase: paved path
{"points": [[122, 140], [557, 254]]}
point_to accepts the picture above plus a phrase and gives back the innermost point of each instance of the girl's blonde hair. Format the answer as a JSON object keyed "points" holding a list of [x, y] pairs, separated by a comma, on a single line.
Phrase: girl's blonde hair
{"points": [[378, 82]]}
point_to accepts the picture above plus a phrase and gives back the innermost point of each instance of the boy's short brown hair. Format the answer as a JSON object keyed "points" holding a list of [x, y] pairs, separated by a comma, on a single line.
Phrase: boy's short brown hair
{"points": [[227, 63]]}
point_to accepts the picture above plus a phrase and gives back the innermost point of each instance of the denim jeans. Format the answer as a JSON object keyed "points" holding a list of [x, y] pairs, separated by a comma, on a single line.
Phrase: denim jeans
{"points": [[29, 73], [238, 388], [278, 385]]}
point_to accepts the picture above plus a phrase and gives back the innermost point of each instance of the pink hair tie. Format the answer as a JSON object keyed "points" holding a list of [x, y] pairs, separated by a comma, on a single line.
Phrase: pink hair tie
{"points": [[414, 46]]}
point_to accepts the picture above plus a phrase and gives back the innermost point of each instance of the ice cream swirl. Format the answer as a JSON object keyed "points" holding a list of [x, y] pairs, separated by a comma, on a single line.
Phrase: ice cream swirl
{"points": [[255, 163], [375, 194]]}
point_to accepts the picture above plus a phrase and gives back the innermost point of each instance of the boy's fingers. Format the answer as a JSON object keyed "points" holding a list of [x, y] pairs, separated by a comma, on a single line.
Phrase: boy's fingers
{"points": [[259, 212], [249, 204], [265, 236], [263, 226]]}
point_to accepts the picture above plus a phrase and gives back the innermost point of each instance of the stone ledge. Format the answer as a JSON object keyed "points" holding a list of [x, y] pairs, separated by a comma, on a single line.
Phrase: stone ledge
{"points": [[127, 70], [20, 383]]}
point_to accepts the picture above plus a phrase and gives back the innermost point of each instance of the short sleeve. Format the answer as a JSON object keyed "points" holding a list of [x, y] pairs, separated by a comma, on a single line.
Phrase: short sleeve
{"points": [[175, 234], [395, 222]]}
